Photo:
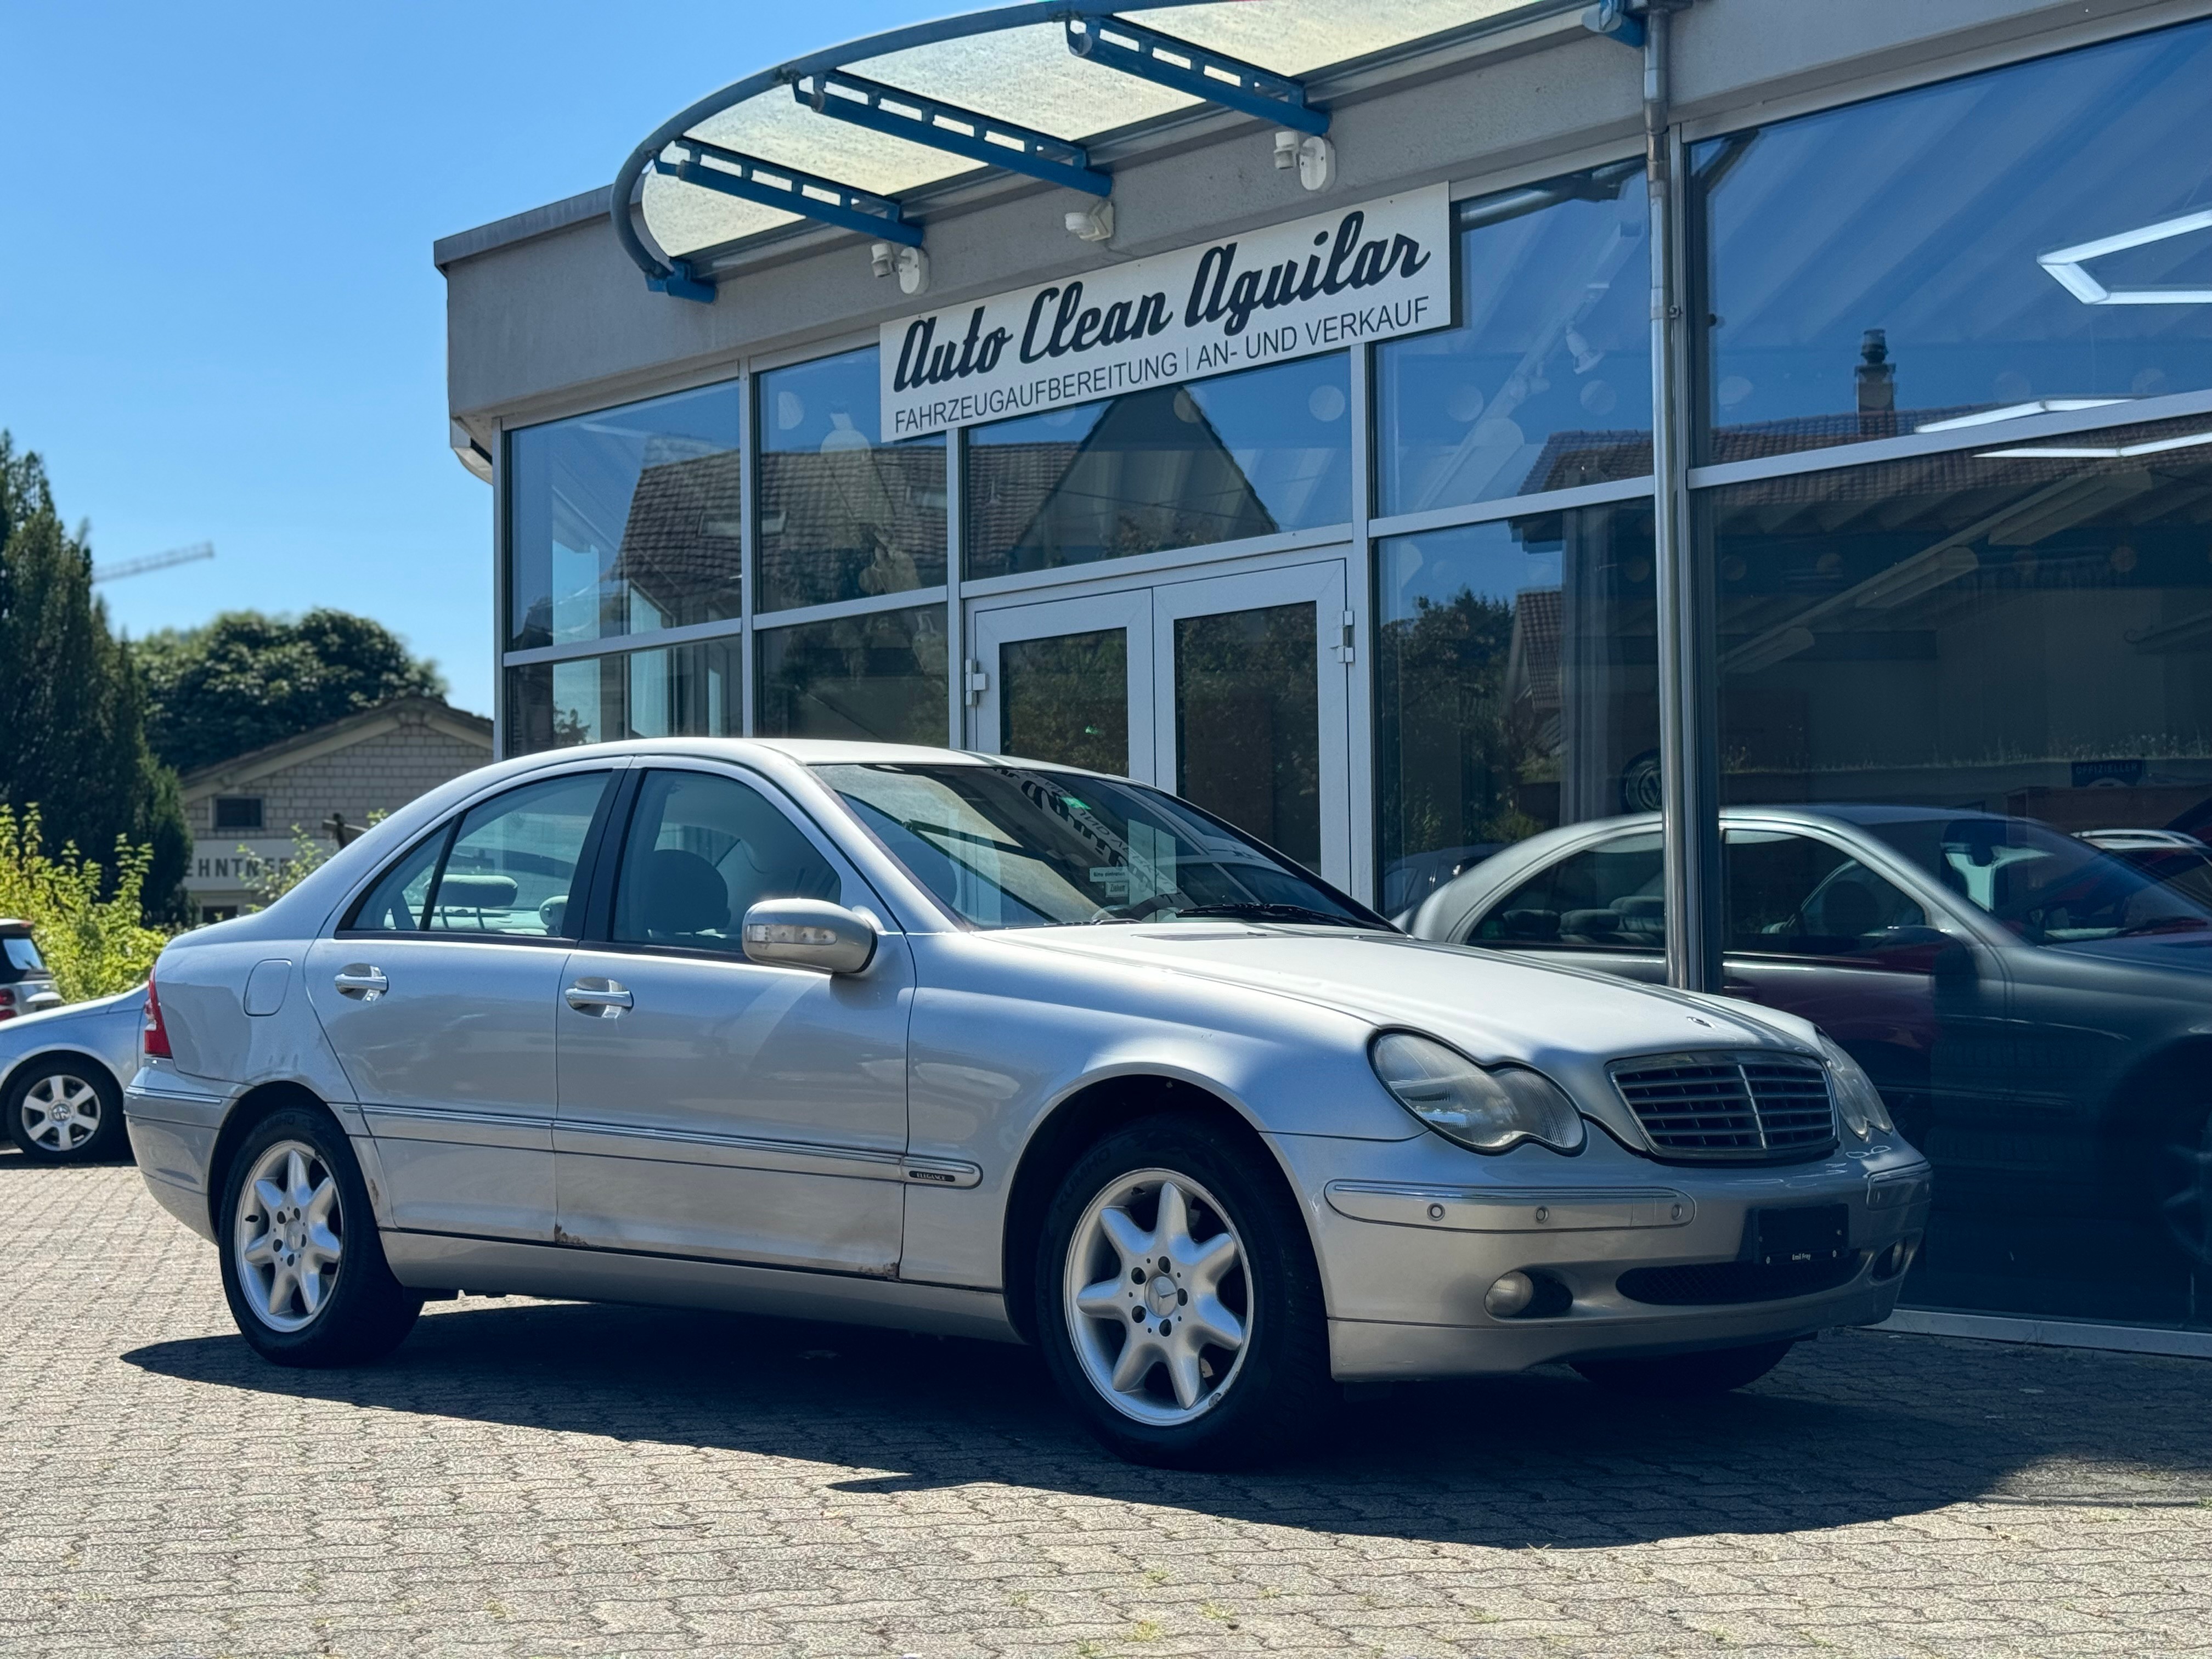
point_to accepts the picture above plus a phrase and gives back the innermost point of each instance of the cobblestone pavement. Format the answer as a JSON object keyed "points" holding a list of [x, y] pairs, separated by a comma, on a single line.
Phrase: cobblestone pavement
{"points": [[545, 1479]]}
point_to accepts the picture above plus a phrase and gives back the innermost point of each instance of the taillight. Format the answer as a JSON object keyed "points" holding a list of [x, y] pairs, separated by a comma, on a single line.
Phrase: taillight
{"points": [[154, 1038], [7, 1004]]}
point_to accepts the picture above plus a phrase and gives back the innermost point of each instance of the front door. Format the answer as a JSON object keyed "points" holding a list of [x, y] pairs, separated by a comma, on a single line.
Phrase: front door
{"points": [[1229, 690], [710, 1106]]}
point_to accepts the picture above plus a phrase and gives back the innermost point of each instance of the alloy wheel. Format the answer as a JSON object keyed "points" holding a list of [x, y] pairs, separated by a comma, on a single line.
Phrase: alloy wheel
{"points": [[1159, 1297], [61, 1113], [288, 1235]]}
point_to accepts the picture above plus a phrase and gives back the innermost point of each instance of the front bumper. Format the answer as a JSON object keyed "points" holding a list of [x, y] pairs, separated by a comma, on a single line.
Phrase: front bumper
{"points": [[1411, 1235]]}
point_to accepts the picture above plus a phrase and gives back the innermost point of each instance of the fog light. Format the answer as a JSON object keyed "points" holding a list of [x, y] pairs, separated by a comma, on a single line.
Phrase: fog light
{"points": [[1510, 1295]]}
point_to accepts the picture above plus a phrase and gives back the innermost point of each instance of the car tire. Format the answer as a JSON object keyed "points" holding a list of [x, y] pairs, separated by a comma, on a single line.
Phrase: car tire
{"points": [[65, 1108], [1686, 1376], [1217, 1283], [303, 1269]]}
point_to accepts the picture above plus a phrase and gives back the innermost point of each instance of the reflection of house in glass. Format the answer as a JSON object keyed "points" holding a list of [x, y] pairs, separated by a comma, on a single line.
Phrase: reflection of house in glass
{"points": [[681, 543], [848, 523], [1151, 473]]}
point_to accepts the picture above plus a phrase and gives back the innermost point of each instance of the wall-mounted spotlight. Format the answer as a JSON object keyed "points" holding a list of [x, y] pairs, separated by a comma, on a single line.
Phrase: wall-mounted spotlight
{"points": [[910, 264], [1313, 155], [1093, 224]]}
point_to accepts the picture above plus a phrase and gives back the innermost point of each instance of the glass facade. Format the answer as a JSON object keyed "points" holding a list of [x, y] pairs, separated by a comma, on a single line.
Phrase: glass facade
{"points": [[626, 521], [1546, 383], [2006, 244], [1963, 692], [1219, 460], [878, 675], [843, 515], [1516, 686], [677, 690]]}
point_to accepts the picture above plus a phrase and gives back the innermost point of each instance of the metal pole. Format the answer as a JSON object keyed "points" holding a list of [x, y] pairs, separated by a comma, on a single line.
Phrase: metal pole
{"points": [[1688, 750]]}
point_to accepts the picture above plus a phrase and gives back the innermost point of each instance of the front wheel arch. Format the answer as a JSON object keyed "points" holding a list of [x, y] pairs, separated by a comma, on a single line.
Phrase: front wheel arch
{"points": [[1070, 1129]]}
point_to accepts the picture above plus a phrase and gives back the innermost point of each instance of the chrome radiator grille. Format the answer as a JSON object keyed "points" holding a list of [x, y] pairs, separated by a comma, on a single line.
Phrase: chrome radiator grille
{"points": [[1730, 1108]]}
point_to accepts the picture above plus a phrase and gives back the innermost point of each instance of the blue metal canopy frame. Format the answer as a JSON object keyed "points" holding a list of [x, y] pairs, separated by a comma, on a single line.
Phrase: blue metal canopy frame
{"points": [[819, 82]]}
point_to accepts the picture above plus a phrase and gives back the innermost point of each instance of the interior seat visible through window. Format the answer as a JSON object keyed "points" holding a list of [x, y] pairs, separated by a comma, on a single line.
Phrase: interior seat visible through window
{"points": [[701, 850]]}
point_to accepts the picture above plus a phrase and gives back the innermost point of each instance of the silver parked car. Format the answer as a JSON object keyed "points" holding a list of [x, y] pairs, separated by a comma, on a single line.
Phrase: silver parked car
{"points": [[62, 1073], [940, 1040]]}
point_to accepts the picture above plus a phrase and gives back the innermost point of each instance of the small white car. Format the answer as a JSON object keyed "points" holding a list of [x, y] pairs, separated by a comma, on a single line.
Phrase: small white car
{"points": [[62, 1073], [970, 1045]]}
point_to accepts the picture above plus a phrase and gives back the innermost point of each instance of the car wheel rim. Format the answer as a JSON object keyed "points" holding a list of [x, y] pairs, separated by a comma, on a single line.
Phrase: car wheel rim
{"points": [[289, 1236], [1159, 1297], [2185, 1193], [61, 1113]]}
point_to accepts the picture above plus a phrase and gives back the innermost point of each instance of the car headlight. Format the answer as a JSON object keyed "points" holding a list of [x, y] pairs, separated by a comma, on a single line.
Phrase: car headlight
{"points": [[1856, 1099], [1491, 1110]]}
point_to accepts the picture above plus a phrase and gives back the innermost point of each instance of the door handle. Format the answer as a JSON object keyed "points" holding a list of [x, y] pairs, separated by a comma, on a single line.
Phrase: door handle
{"points": [[602, 999], [360, 982]]}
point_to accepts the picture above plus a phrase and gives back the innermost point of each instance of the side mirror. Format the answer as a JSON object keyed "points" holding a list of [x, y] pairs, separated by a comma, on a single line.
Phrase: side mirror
{"points": [[809, 933]]}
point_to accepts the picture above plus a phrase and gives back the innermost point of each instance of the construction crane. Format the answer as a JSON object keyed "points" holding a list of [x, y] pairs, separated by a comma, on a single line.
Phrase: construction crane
{"points": [[108, 573]]}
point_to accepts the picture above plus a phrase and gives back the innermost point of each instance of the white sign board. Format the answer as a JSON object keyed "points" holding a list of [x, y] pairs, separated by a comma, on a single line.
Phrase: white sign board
{"points": [[1337, 279], [222, 866]]}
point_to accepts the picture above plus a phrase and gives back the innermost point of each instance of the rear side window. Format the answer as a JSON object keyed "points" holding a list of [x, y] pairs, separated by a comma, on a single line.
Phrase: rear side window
{"points": [[396, 903], [508, 867], [1609, 898], [514, 860], [701, 851]]}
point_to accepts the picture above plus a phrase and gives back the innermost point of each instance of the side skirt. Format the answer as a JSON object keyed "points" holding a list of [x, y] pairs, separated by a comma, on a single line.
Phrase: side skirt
{"points": [[437, 1262]]}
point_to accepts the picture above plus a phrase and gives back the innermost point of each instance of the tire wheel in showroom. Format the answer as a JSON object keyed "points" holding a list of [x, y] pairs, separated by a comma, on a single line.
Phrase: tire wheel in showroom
{"points": [[1177, 1300], [302, 1267], [66, 1110], [1686, 1376]]}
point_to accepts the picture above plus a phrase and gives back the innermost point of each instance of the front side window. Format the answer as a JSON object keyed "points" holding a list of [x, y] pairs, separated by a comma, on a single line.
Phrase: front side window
{"points": [[1608, 897], [2007, 244], [514, 861], [1239, 455], [1028, 846], [701, 852], [1790, 895]]}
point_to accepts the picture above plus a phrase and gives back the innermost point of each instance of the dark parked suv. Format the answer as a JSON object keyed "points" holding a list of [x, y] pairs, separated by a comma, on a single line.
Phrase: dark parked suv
{"points": [[25, 985]]}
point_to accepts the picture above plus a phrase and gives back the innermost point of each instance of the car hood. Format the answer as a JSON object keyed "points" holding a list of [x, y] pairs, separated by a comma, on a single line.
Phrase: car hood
{"points": [[1494, 1007]]}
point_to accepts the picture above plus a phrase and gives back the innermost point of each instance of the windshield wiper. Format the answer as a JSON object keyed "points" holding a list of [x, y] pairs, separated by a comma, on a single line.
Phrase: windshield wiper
{"points": [[2165, 925], [1254, 910]]}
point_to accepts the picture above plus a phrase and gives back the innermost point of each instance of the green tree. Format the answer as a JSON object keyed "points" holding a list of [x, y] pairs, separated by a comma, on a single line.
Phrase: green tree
{"points": [[72, 706], [245, 680], [89, 925]]}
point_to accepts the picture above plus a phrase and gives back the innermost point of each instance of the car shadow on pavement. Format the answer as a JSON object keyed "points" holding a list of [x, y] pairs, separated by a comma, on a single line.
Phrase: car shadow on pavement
{"points": [[1834, 1437]]}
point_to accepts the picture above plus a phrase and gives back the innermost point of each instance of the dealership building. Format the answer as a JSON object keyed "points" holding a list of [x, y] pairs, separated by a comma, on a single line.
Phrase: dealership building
{"points": [[1408, 429]]}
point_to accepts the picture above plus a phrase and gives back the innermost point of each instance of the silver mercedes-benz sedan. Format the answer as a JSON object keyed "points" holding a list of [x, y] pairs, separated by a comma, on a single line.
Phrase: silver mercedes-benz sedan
{"points": [[971, 1045]]}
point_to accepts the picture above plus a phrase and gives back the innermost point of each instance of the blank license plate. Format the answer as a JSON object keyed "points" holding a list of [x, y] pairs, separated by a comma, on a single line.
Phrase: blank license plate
{"points": [[1820, 1233]]}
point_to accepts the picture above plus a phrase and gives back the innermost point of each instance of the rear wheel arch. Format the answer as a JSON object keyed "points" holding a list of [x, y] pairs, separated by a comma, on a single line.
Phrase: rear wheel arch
{"points": [[1071, 1128], [251, 1108]]}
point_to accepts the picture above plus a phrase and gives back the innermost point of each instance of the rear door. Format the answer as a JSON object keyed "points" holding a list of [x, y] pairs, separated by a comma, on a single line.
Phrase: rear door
{"points": [[438, 999]]}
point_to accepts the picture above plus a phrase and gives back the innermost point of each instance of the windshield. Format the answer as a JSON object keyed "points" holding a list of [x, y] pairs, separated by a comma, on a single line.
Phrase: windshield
{"points": [[2048, 888], [1026, 846]]}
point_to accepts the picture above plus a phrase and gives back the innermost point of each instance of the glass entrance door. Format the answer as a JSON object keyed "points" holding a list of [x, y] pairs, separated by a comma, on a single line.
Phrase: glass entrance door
{"points": [[1229, 690]]}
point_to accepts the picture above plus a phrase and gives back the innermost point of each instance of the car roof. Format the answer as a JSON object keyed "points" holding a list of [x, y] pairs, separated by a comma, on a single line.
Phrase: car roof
{"points": [[804, 751]]}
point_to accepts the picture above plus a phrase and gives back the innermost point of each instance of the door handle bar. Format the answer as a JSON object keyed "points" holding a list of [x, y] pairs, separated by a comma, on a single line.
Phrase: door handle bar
{"points": [[360, 982], [601, 997]]}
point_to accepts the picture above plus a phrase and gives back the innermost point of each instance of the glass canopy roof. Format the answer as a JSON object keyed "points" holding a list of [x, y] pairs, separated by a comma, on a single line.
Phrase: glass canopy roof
{"points": [[1012, 64]]}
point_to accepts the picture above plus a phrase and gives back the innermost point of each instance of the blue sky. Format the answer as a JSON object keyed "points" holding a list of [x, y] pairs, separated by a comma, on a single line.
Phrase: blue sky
{"points": [[218, 317]]}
